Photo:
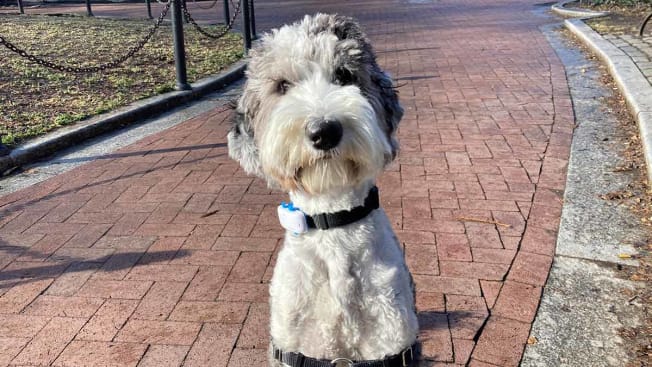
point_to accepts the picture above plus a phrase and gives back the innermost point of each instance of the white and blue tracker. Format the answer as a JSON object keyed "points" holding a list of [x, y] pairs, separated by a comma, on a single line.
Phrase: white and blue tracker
{"points": [[291, 218]]}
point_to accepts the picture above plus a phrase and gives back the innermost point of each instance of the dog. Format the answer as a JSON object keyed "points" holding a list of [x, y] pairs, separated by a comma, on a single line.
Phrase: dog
{"points": [[317, 118]]}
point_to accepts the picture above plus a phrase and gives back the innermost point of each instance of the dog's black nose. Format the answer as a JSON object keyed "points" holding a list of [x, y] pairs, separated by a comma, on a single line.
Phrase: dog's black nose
{"points": [[325, 135]]}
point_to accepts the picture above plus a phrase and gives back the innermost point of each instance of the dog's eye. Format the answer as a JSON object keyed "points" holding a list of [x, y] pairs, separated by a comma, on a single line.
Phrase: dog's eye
{"points": [[344, 76], [283, 86]]}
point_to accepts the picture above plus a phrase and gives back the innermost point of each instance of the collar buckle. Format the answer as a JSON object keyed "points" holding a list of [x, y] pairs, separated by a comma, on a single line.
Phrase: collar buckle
{"points": [[342, 362], [321, 221], [406, 363]]}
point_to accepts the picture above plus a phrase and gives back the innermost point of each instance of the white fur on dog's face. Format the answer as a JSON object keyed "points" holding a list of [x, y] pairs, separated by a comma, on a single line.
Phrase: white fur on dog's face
{"points": [[300, 75]]}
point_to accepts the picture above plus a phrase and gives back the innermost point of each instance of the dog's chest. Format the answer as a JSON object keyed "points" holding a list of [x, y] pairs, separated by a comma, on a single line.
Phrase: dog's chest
{"points": [[332, 294], [329, 294]]}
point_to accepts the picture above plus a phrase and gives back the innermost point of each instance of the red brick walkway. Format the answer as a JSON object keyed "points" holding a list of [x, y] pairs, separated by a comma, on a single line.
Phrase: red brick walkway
{"points": [[115, 264]]}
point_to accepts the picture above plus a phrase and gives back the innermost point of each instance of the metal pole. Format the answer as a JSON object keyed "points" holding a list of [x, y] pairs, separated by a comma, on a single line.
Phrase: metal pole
{"points": [[253, 20], [89, 12], [227, 17], [179, 50], [642, 29], [246, 24], [20, 7], [149, 8], [3, 149]]}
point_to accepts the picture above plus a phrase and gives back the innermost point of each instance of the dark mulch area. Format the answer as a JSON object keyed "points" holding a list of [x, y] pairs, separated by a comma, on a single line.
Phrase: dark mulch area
{"points": [[622, 20]]}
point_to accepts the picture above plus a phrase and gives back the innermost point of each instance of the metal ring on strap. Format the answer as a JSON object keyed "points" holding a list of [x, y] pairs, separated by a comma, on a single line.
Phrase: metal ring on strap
{"points": [[337, 361]]}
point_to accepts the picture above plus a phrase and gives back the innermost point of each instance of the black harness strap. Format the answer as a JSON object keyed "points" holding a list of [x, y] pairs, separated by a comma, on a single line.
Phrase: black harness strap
{"points": [[295, 359], [344, 217]]}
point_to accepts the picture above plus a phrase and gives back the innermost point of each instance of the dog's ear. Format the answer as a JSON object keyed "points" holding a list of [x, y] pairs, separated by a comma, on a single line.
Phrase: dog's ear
{"points": [[382, 87], [391, 106], [346, 28], [242, 146]]}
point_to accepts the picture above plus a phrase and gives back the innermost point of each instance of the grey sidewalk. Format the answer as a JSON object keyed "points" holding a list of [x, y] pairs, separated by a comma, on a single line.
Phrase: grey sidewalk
{"points": [[639, 49]]}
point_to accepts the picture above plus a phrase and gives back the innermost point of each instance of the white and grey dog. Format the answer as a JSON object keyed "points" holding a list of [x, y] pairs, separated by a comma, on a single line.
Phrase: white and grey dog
{"points": [[317, 118]]}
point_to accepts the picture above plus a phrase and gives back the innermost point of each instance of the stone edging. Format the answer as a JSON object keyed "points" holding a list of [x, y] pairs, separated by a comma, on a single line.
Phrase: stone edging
{"points": [[560, 9], [631, 82], [139, 110]]}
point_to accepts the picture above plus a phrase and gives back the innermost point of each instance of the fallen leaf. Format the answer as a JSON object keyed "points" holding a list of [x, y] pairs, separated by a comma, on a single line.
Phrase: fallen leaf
{"points": [[625, 256], [532, 340]]}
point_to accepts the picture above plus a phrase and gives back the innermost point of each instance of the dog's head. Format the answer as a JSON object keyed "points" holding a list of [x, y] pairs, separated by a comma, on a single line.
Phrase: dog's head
{"points": [[317, 112]]}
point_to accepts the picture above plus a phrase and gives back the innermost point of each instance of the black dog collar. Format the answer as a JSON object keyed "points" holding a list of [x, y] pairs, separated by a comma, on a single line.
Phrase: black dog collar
{"points": [[296, 221], [344, 217], [293, 359]]}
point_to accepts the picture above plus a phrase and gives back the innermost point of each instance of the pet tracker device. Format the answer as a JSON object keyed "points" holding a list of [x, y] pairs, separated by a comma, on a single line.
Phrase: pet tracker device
{"points": [[292, 219]]}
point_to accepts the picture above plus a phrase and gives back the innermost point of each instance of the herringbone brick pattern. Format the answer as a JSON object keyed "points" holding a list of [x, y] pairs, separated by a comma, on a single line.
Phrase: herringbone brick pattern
{"points": [[160, 254]]}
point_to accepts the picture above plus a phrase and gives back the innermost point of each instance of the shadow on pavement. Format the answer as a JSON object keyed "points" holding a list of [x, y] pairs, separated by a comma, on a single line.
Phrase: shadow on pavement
{"points": [[132, 154], [70, 264]]}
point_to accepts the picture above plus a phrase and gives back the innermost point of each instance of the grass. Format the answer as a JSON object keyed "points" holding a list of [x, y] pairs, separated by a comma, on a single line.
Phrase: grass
{"points": [[35, 99]]}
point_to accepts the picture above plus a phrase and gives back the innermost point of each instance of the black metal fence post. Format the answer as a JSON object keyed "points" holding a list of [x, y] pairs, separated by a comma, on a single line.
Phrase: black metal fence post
{"points": [[149, 8], [642, 28], [20, 7], [3, 149], [227, 16], [253, 20], [246, 24], [89, 12], [179, 49]]}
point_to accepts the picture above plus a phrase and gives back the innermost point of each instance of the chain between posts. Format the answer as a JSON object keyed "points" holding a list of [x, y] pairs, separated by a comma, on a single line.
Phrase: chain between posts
{"points": [[91, 69], [208, 34], [205, 7], [642, 28]]}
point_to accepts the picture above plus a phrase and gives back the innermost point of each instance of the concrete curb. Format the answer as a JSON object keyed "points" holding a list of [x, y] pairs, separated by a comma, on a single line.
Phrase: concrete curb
{"points": [[584, 302], [139, 110], [560, 9], [631, 82]]}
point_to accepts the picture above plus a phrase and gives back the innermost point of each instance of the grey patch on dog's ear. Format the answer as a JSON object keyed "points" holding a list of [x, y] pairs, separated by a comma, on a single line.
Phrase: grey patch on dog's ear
{"points": [[347, 28], [341, 26], [242, 146], [391, 107], [389, 98], [354, 51], [351, 38]]}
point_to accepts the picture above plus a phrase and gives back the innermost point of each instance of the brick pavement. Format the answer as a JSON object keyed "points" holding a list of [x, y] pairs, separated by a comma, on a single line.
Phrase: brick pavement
{"points": [[115, 263]]}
